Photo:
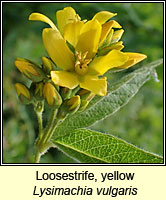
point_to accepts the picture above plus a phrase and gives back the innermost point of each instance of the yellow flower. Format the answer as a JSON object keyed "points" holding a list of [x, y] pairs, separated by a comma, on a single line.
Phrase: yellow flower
{"points": [[84, 66], [23, 93], [29, 69], [52, 96]]}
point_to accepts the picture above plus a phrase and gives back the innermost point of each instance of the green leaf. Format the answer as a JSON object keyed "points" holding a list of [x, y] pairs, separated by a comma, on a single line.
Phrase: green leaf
{"points": [[118, 95], [89, 146]]}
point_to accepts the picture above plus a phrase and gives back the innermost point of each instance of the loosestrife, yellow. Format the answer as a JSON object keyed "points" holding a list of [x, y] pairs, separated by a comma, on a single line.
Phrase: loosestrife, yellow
{"points": [[82, 52], [85, 50]]}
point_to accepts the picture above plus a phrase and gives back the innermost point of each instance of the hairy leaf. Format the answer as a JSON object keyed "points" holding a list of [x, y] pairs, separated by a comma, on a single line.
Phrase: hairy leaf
{"points": [[89, 146]]}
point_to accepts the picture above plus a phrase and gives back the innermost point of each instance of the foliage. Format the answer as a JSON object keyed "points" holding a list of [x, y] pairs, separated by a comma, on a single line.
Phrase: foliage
{"points": [[93, 147]]}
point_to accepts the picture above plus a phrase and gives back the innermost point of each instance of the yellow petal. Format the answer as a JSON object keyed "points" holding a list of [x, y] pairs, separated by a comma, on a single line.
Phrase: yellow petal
{"points": [[134, 58], [103, 16], [58, 49], [72, 31], [47, 64], [116, 45], [74, 102], [102, 64], [89, 38], [43, 18], [106, 28], [117, 35], [109, 38], [95, 85], [65, 16], [65, 79]]}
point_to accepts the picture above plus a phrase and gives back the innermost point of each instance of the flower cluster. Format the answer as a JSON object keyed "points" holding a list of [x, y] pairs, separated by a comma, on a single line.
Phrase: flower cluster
{"points": [[80, 53]]}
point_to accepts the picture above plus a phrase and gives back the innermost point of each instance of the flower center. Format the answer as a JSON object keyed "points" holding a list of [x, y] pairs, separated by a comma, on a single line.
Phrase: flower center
{"points": [[81, 64]]}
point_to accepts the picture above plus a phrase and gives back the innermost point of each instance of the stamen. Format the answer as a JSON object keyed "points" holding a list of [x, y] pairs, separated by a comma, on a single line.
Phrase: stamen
{"points": [[84, 55], [81, 64]]}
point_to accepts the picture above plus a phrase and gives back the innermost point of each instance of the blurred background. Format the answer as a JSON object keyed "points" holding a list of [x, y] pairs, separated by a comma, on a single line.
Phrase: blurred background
{"points": [[140, 122]]}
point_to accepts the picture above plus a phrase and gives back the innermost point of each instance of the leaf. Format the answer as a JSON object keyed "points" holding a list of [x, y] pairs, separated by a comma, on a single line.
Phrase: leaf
{"points": [[89, 146], [118, 95]]}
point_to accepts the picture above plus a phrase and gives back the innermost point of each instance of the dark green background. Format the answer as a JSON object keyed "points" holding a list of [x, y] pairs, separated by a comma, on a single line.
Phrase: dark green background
{"points": [[140, 122]]}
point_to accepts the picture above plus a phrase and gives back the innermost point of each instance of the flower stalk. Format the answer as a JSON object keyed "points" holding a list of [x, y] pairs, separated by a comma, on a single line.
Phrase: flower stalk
{"points": [[39, 111]]}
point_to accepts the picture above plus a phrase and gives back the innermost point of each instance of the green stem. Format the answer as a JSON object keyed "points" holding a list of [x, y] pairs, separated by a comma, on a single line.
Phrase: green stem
{"points": [[37, 157], [51, 120], [38, 108], [43, 143], [48, 127], [40, 122], [50, 132]]}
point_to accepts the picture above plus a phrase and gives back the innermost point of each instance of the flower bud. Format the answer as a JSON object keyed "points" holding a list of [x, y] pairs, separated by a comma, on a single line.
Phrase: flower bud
{"points": [[47, 65], [117, 36], [109, 38], [107, 41], [73, 103], [86, 95], [65, 93], [29, 69], [36, 90], [52, 96], [69, 106], [116, 45], [23, 93], [83, 93], [83, 105], [39, 89]]}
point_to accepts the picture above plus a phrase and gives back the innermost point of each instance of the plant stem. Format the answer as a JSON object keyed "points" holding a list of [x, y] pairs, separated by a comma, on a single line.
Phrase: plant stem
{"points": [[48, 127], [37, 157], [38, 108], [40, 122], [43, 142], [51, 120], [50, 132]]}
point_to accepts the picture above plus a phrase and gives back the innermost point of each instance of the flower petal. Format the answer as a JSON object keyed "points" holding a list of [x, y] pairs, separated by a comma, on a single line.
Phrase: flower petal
{"points": [[65, 79], [95, 85], [72, 31], [65, 16], [107, 49], [43, 18], [58, 49], [116, 45], [102, 64], [106, 28], [89, 38], [117, 35], [103, 16], [134, 58]]}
